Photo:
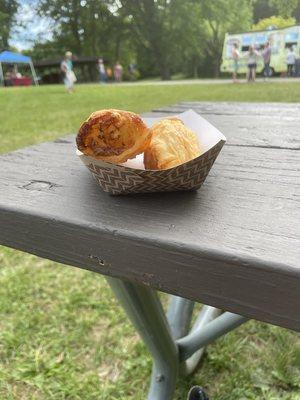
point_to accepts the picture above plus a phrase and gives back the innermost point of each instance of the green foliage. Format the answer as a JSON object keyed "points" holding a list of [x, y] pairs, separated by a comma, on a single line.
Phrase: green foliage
{"points": [[47, 50], [185, 35], [262, 9], [87, 28], [285, 8], [8, 9], [167, 33], [163, 37], [220, 17], [278, 21]]}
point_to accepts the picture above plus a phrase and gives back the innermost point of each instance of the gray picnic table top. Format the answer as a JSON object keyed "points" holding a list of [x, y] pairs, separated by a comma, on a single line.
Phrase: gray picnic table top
{"points": [[234, 244]]}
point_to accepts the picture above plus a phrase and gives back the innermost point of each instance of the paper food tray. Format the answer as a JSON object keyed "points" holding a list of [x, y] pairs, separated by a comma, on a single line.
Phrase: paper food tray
{"points": [[131, 177]]}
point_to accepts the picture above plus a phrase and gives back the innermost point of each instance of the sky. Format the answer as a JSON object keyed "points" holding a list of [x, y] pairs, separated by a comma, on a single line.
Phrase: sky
{"points": [[30, 27]]}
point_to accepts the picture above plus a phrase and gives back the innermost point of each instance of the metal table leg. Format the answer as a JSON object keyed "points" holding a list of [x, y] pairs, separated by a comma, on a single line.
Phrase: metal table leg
{"points": [[168, 340], [206, 315], [146, 313], [179, 316]]}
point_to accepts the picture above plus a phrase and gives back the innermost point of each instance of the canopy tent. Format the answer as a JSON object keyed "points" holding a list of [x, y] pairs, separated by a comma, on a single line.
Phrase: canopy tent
{"points": [[8, 57]]}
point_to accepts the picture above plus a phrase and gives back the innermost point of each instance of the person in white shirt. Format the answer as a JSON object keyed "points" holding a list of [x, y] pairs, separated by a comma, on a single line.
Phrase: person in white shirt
{"points": [[291, 61], [66, 68], [102, 72]]}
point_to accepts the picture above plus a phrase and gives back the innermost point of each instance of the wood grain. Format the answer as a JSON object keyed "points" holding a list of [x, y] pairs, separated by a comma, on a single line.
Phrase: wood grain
{"points": [[249, 124], [233, 244], [236, 108]]}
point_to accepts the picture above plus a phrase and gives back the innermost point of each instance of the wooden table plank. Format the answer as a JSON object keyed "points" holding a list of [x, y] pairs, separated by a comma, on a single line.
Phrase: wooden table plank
{"points": [[238, 108], [233, 244], [249, 124]]}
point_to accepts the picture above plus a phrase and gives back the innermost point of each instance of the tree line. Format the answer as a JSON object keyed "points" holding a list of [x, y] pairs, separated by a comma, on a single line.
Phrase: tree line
{"points": [[163, 37]]}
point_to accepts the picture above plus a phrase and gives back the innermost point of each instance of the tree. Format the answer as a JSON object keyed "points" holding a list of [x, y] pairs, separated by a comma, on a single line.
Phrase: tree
{"points": [[160, 28], [189, 39], [87, 28], [150, 30], [275, 21], [262, 9], [220, 17], [162, 36], [8, 10], [285, 8]]}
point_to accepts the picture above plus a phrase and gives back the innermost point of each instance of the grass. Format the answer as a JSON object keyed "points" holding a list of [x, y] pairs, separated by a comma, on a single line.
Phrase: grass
{"points": [[31, 115], [63, 335]]}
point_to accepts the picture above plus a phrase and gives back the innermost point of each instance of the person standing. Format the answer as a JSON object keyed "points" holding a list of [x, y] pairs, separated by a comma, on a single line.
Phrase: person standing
{"points": [[235, 57], [109, 74], [132, 71], [291, 62], [118, 72], [266, 55], [252, 64], [102, 72], [66, 68]]}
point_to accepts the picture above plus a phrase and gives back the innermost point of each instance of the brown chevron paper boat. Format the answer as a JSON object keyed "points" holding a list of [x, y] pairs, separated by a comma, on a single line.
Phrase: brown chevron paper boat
{"points": [[131, 177]]}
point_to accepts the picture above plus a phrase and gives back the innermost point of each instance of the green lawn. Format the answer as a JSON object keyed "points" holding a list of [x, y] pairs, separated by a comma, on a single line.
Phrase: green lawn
{"points": [[29, 115], [62, 334]]}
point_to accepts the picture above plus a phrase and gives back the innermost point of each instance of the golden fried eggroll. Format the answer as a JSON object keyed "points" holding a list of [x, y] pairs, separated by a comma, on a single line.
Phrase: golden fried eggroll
{"points": [[172, 144], [113, 135]]}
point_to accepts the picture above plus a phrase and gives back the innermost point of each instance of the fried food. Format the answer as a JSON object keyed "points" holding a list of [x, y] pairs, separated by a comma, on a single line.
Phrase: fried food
{"points": [[113, 135], [172, 144]]}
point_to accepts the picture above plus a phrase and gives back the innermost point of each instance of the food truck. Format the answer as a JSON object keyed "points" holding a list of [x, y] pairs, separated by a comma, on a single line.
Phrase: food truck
{"points": [[280, 40]]}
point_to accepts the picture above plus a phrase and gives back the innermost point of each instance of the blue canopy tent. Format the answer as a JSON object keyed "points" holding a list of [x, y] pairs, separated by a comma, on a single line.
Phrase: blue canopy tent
{"points": [[8, 57]]}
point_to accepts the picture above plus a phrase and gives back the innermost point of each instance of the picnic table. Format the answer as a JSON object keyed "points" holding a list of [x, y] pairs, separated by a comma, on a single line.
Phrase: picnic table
{"points": [[233, 245]]}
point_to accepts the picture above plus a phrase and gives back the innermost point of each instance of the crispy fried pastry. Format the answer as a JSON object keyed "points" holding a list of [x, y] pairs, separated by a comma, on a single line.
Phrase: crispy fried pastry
{"points": [[113, 135], [172, 144]]}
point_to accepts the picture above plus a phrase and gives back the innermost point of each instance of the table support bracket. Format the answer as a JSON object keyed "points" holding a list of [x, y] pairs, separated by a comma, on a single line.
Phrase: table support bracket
{"points": [[173, 349], [199, 338]]}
